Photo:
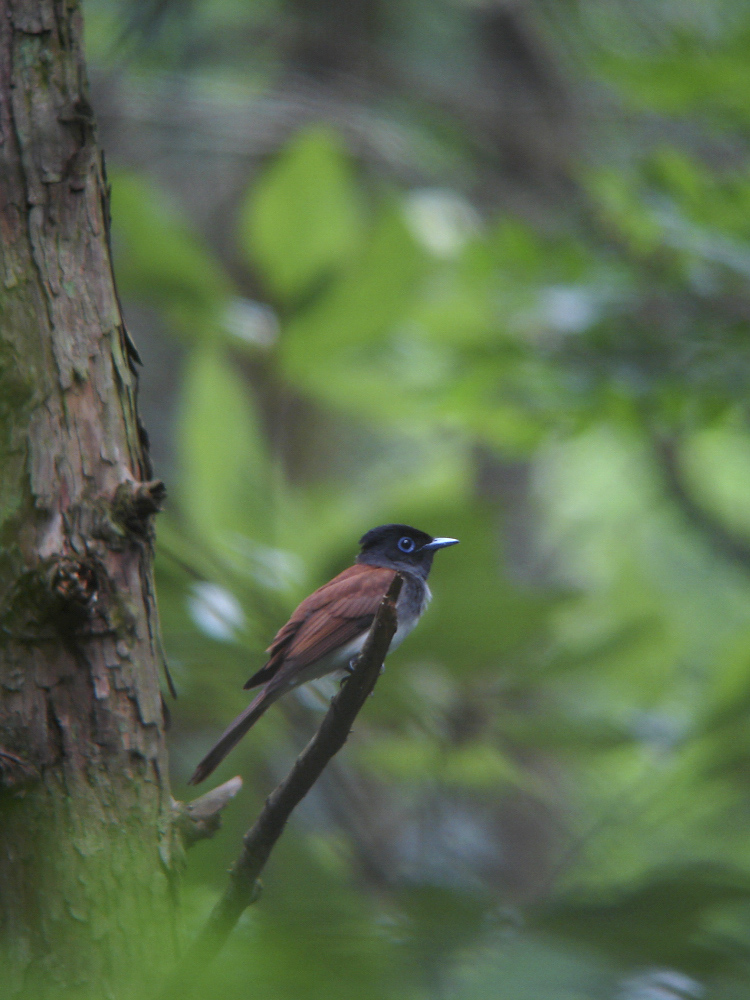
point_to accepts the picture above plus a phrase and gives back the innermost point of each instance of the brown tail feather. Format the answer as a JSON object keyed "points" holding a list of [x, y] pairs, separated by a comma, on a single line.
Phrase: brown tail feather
{"points": [[234, 733]]}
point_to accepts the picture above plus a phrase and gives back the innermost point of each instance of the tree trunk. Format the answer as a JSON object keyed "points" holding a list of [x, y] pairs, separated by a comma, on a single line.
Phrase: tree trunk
{"points": [[87, 850]]}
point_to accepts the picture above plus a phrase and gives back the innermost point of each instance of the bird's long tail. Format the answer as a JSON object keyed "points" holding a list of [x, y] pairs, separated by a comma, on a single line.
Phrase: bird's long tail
{"points": [[234, 733]]}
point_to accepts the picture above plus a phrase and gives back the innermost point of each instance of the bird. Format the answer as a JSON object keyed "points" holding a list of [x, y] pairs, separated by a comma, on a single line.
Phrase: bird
{"points": [[328, 629]]}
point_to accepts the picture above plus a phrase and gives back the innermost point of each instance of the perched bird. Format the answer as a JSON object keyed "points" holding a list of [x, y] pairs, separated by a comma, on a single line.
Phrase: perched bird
{"points": [[329, 627]]}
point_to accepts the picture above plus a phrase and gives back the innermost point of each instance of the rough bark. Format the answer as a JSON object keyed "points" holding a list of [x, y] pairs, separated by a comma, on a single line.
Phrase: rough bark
{"points": [[87, 847]]}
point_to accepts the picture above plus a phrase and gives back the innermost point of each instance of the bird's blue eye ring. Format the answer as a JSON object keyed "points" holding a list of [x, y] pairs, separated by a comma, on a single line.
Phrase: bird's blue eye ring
{"points": [[406, 544]]}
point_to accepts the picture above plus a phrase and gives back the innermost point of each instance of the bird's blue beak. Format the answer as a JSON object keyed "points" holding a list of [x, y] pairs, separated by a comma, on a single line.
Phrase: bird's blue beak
{"points": [[439, 543]]}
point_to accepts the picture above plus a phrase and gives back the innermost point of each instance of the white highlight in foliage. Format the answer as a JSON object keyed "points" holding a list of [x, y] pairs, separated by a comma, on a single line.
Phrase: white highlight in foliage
{"points": [[661, 984], [251, 322], [216, 611], [568, 308], [442, 220], [276, 569]]}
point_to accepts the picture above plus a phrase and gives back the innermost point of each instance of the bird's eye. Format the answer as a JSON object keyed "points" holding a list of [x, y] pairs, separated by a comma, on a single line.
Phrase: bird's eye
{"points": [[406, 544]]}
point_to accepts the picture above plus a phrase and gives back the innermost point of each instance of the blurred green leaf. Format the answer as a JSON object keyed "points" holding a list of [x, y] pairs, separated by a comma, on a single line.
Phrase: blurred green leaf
{"points": [[341, 348], [161, 260], [225, 473], [679, 901], [302, 220], [716, 84], [415, 760]]}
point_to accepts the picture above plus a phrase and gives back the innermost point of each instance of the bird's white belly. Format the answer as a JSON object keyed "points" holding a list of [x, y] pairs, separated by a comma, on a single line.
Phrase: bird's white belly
{"points": [[338, 661]]}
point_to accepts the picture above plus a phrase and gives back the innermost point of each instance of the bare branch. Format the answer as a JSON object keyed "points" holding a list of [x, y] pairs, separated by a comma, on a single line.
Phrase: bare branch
{"points": [[201, 818], [259, 841]]}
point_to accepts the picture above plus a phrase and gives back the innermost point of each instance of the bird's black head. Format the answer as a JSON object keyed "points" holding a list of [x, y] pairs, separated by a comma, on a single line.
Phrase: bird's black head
{"points": [[398, 546]]}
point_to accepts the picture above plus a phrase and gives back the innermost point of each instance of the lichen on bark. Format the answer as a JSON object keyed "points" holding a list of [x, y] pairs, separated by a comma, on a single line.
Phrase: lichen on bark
{"points": [[87, 843]]}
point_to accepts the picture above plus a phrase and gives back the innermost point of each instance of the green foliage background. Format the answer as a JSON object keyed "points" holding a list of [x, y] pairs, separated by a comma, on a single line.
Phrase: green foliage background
{"points": [[548, 797]]}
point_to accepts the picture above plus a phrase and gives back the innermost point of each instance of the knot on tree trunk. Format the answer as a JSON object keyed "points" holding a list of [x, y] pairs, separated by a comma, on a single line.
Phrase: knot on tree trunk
{"points": [[70, 590], [59, 595], [134, 505]]}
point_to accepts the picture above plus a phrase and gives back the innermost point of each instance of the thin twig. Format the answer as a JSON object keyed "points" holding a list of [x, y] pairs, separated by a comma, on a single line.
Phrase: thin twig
{"points": [[260, 839]]}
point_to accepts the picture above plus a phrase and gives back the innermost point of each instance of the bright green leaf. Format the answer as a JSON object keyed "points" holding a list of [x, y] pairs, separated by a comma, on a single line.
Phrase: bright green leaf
{"points": [[225, 479], [301, 220], [161, 260]]}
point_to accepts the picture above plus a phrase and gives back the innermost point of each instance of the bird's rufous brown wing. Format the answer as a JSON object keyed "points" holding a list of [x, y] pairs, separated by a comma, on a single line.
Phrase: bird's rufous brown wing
{"points": [[332, 616]]}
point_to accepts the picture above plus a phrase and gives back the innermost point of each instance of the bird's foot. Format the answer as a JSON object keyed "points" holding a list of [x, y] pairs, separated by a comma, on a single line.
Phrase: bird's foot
{"points": [[348, 670]]}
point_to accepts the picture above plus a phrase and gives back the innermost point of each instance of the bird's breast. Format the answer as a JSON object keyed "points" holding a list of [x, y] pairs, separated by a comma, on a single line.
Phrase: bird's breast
{"points": [[415, 596]]}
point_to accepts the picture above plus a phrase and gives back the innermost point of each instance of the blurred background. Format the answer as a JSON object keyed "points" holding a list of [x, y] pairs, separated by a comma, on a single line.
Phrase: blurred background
{"points": [[481, 266]]}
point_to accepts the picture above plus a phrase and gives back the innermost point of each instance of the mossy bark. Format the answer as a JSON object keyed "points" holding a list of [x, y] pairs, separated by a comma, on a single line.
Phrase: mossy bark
{"points": [[87, 851]]}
